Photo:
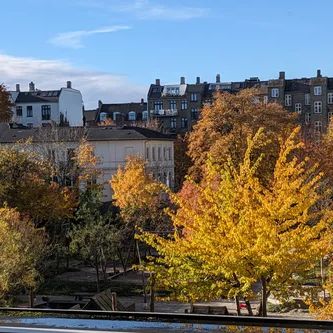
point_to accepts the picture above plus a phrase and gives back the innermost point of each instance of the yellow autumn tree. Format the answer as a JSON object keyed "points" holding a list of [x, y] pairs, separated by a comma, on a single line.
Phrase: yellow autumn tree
{"points": [[238, 235], [140, 198], [22, 247]]}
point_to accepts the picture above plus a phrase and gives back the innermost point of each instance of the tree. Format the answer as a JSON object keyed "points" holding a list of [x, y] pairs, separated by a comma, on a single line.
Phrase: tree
{"points": [[25, 185], [96, 241], [238, 232], [22, 247], [5, 105], [221, 130], [139, 197]]}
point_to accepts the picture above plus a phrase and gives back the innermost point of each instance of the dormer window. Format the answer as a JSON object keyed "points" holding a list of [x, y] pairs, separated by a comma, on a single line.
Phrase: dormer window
{"points": [[173, 91]]}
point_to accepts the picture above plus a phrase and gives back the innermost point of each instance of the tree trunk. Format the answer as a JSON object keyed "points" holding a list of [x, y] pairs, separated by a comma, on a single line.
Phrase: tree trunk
{"points": [[248, 307], [237, 306], [97, 275], [264, 298], [152, 292], [31, 298]]}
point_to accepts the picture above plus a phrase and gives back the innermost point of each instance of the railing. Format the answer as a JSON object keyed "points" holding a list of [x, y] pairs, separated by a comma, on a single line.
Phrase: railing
{"points": [[151, 321], [164, 112]]}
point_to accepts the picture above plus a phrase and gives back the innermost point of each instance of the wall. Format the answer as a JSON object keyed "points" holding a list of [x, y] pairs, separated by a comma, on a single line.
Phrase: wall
{"points": [[70, 104]]}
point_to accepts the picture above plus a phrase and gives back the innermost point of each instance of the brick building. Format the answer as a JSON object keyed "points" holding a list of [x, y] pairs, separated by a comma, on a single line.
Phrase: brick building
{"points": [[177, 106]]}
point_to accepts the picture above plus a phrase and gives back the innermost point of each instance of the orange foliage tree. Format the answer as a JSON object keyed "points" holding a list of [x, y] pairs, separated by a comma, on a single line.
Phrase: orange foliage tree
{"points": [[223, 127]]}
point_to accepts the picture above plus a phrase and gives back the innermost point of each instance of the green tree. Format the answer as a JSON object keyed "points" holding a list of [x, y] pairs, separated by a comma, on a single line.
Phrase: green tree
{"points": [[5, 105]]}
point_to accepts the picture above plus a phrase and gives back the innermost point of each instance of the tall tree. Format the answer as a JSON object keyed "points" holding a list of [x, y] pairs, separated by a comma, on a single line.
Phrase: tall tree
{"points": [[224, 125], [5, 105], [234, 232]]}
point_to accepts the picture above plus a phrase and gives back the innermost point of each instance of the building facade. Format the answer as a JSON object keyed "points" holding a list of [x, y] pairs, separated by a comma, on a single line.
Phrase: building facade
{"points": [[177, 107], [117, 113], [112, 146], [36, 108]]}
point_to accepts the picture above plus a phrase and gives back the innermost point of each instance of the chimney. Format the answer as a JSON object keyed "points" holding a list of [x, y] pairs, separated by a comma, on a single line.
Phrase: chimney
{"points": [[318, 73], [282, 75], [69, 84], [182, 80], [198, 80], [100, 103], [17, 87], [157, 82], [142, 101], [31, 86], [218, 78]]}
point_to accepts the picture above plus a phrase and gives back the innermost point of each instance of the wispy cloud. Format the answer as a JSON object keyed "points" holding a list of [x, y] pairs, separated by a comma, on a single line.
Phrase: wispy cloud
{"points": [[73, 39], [148, 10], [53, 74]]}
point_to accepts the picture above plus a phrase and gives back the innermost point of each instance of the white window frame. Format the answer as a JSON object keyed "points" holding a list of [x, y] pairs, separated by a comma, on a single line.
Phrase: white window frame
{"points": [[265, 99], [307, 99], [317, 90], [317, 107], [144, 115], [298, 107], [330, 98], [307, 118], [275, 92], [132, 116], [183, 104], [329, 116], [318, 126], [287, 100], [194, 97]]}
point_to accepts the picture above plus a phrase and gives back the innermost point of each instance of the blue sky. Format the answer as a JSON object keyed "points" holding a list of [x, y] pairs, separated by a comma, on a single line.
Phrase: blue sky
{"points": [[112, 50]]}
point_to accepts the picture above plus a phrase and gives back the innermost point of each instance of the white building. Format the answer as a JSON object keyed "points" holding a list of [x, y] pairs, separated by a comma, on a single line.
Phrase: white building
{"points": [[111, 145], [36, 108]]}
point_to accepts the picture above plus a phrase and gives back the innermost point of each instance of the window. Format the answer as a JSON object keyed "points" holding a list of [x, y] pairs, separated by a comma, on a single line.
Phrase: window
{"points": [[173, 122], [275, 92], [298, 107], [153, 154], [116, 116], [145, 115], [194, 97], [46, 112], [307, 99], [169, 153], [194, 114], [317, 107], [330, 115], [147, 153], [265, 99], [173, 105], [307, 118], [164, 153], [29, 111], [158, 105], [317, 126], [330, 98], [317, 90], [287, 100], [183, 105], [30, 125], [19, 111], [131, 115], [159, 153], [183, 123]]}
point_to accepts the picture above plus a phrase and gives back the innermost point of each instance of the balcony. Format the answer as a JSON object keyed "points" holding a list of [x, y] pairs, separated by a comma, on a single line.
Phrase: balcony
{"points": [[164, 113]]}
